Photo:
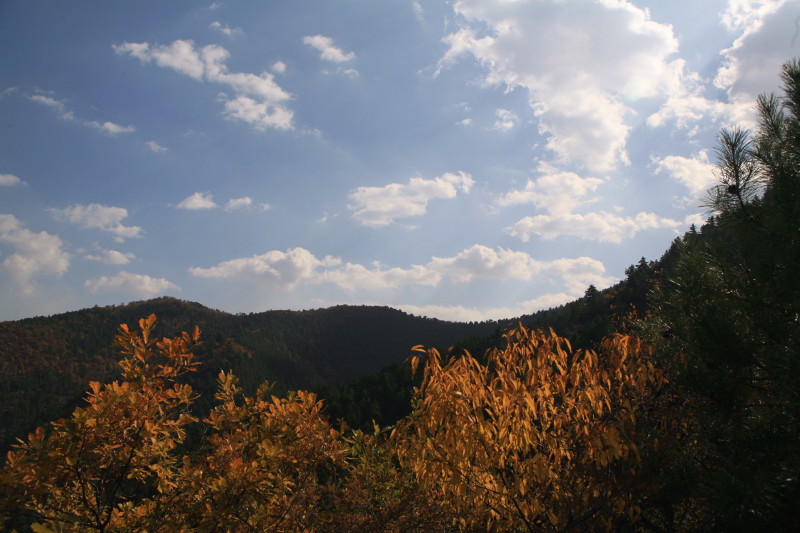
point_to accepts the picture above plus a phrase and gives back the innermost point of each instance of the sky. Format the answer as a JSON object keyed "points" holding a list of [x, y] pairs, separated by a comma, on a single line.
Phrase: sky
{"points": [[464, 159]]}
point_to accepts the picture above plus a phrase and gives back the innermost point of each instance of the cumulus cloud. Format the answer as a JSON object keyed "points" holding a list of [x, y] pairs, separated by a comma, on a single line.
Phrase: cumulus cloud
{"points": [[112, 257], [685, 109], [600, 226], [225, 29], [555, 191], [136, 284], [156, 148], [483, 262], [600, 57], [289, 268], [461, 313], [576, 275], [742, 14], [198, 200], [10, 180], [102, 217], [279, 67], [696, 173], [751, 65], [298, 266], [380, 206], [559, 193], [257, 99], [328, 51], [35, 253]]}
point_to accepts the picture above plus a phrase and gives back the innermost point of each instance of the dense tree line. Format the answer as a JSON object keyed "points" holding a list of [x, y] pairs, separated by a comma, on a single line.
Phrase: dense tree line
{"points": [[730, 308]]}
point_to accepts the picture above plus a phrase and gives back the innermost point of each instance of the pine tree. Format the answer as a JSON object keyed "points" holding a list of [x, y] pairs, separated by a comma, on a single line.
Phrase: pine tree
{"points": [[731, 307]]}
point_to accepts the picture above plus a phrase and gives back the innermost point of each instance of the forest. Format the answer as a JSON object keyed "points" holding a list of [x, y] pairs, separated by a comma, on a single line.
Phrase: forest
{"points": [[667, 403]]}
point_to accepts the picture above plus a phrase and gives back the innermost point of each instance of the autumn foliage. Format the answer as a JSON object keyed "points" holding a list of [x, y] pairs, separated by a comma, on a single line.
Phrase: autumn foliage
{"points": [[540, 437]]}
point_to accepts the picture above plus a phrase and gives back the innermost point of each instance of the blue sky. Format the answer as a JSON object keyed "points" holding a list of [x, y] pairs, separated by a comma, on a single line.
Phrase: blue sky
{"points": [[462, 159]]}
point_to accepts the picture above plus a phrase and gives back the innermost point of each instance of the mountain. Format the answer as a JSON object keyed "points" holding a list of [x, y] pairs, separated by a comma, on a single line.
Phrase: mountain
{"points": [[47, 362], [352, 355]]}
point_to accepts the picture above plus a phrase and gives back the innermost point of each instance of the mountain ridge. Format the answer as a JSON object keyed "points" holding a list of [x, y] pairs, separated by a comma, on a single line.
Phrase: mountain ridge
{"points": [[46, 362]]}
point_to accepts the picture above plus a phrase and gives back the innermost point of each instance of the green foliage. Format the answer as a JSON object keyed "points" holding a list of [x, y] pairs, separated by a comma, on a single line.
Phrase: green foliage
{"points": [[731, 306]]}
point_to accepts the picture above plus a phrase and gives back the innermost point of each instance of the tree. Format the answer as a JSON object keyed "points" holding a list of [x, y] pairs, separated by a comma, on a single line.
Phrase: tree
{"points": [[541, 438], [731, 307], [267, 463], [90, 470], [264, 466]]}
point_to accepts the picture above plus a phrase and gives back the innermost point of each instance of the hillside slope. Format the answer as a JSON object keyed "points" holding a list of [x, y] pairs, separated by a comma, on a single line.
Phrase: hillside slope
{"points": [[47, 362]]}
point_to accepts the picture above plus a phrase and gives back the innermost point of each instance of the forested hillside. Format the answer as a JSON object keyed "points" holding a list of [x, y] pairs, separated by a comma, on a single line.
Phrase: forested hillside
{"points": [[678, 411], [45, 363]]}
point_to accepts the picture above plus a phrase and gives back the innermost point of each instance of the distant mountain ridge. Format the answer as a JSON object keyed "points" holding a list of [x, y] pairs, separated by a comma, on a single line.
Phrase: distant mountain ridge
{"points": [[47, 362]]}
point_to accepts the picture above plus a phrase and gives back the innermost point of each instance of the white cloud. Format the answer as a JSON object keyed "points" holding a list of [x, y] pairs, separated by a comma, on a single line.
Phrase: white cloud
{"points": [[257, 99], [698, 219], [225, 29], [137, 284], [600, 226], [575, 274], [506, 120], [36, 253], [460, 313], [102, 217], [685, 109], [238, 203], [260, 114], [578, 273], [156, 148], [555, 191], [279, 67], [328, 51], [57, 105], [198, 200], [10, 180], [593, 60], [380, 206], [112, 257], [298, 266], [109, 128], [483, 262], [742, 14], [418, 11], [751, 66], [290, 268], [352, 277], [696, 173]]}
